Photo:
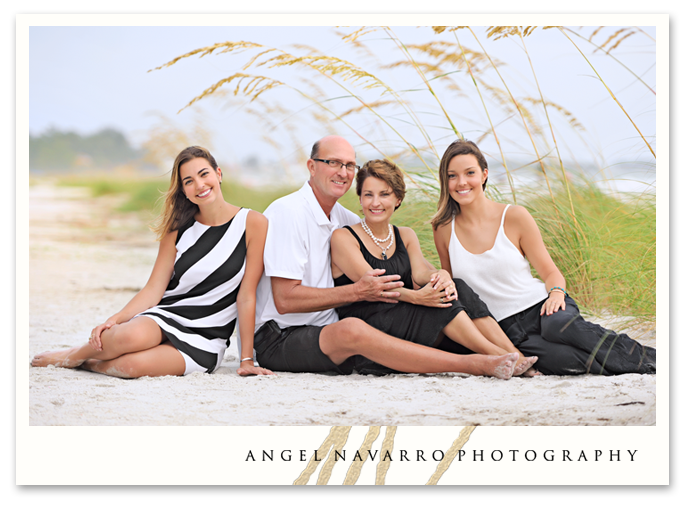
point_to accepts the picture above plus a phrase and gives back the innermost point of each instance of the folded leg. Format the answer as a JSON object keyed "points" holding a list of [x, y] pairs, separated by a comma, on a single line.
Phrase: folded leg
{"points": [[559, 359], [161, 360], [619, 353]]}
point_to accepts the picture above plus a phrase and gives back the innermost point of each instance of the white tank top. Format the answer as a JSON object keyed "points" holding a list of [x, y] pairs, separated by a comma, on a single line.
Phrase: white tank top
{"points": [[501, 276]]}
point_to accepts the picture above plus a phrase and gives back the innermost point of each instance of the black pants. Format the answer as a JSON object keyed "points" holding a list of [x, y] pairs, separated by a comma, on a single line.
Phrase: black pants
{"points": [[565, 343]]}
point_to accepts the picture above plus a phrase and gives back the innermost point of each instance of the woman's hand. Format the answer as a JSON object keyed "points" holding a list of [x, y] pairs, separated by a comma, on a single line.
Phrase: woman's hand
{"points": [[431, 297], [248, 368], [95, 337], [556, 300], [443, 280]]}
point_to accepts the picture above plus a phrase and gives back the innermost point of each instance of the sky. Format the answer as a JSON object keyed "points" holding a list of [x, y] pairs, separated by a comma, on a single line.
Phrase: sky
{"points": [[85, 78]]}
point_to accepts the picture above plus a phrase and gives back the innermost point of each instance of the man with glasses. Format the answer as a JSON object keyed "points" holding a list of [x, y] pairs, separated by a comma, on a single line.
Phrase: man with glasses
{"points": [[296, 326]]}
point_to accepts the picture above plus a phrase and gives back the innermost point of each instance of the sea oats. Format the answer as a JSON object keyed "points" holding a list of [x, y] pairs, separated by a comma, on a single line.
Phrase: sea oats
{"points": [[595, 32], [568, 115], [409, 122], [353, 37], [441, 29], [306, 48], [500, 32], [204, 51], [619, 41], [612, 36], [611, 93]]}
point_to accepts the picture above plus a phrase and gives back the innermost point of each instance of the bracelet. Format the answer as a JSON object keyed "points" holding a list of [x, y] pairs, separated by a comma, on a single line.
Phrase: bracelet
{"points": [[243, 360], [557, 288]]}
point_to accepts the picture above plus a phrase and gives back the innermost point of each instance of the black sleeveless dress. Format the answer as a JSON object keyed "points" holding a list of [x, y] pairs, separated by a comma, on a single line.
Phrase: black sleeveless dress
{"points": [[418, 324]]}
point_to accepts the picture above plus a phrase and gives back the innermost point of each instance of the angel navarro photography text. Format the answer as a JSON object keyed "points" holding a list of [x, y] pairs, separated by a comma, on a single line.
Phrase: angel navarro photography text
{"points": [[556, 455]]}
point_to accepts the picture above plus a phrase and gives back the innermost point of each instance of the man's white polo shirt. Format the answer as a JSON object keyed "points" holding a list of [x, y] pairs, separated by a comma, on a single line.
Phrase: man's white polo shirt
{"points": [[298, 247]]}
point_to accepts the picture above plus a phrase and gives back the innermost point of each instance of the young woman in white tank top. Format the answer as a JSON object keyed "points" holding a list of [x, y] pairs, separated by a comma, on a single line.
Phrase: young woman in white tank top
{"points": [[492, 246]]}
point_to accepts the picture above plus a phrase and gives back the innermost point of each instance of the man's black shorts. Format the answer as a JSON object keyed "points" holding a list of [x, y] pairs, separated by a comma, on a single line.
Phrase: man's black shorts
{"points": [[295, 349]]}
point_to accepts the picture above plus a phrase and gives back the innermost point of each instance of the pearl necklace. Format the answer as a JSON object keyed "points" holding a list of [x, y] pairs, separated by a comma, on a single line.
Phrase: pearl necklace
{"points": [[379, 242]]}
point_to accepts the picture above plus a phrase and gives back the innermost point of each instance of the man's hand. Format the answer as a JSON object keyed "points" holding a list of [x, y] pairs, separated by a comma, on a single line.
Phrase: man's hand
{"points": [[248, 368], [374, 287]]}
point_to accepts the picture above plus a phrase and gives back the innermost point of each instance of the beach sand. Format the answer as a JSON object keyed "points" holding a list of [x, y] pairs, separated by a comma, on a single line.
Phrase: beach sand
{"points": [[86, 262]]}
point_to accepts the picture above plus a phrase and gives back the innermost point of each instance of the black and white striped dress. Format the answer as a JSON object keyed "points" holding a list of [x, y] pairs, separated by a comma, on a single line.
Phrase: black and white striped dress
{"points": [[198, 310]]}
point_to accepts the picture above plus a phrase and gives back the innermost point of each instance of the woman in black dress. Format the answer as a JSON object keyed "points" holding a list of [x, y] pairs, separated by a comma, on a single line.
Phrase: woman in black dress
{"points": [[441, 307]]}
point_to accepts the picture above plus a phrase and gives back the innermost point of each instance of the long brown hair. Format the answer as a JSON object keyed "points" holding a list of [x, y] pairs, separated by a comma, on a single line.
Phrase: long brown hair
{"points": [[177, 209], [447, 207]]}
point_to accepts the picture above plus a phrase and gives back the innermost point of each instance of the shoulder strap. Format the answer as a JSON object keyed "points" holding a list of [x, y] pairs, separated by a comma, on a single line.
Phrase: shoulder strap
{"points": [[348, 227], [397, 237], [502, 221], [363, 249]]}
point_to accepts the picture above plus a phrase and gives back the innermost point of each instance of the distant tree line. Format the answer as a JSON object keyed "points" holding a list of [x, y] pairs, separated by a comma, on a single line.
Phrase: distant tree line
{"points": [[59, 150]]}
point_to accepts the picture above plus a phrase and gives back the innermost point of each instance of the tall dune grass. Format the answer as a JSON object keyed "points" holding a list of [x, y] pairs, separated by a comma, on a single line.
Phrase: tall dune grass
{"points": [[605, 244], [610, 262], [615, 273]]}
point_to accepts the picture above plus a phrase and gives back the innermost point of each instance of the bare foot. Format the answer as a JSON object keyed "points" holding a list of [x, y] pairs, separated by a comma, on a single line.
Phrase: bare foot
{"points": [[531, 372], [503, 366], [59, 358], [523, 365]]}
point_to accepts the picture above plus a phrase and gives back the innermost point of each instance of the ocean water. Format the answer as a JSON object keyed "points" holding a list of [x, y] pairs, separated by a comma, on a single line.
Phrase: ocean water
{"points": [[624, 178]]}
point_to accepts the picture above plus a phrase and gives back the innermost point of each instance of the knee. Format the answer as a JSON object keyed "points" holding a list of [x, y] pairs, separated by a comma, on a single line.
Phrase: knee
{"points": [[464, 291], [123, 338], [555, 325], [351, 333], [118, 335], [461, 285], [470, 301]]}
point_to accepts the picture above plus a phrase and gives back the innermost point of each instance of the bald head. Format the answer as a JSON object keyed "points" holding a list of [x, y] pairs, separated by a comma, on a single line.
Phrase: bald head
{"points": [[329, 183], [329, 142]]}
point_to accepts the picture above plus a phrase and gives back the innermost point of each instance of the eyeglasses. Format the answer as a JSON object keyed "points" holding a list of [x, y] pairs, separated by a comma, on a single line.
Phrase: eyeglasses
{"points": [[335, 164]]}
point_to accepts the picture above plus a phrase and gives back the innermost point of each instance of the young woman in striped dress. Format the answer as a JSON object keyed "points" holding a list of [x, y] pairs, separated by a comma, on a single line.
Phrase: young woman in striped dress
{"points": [[204, 280]]}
